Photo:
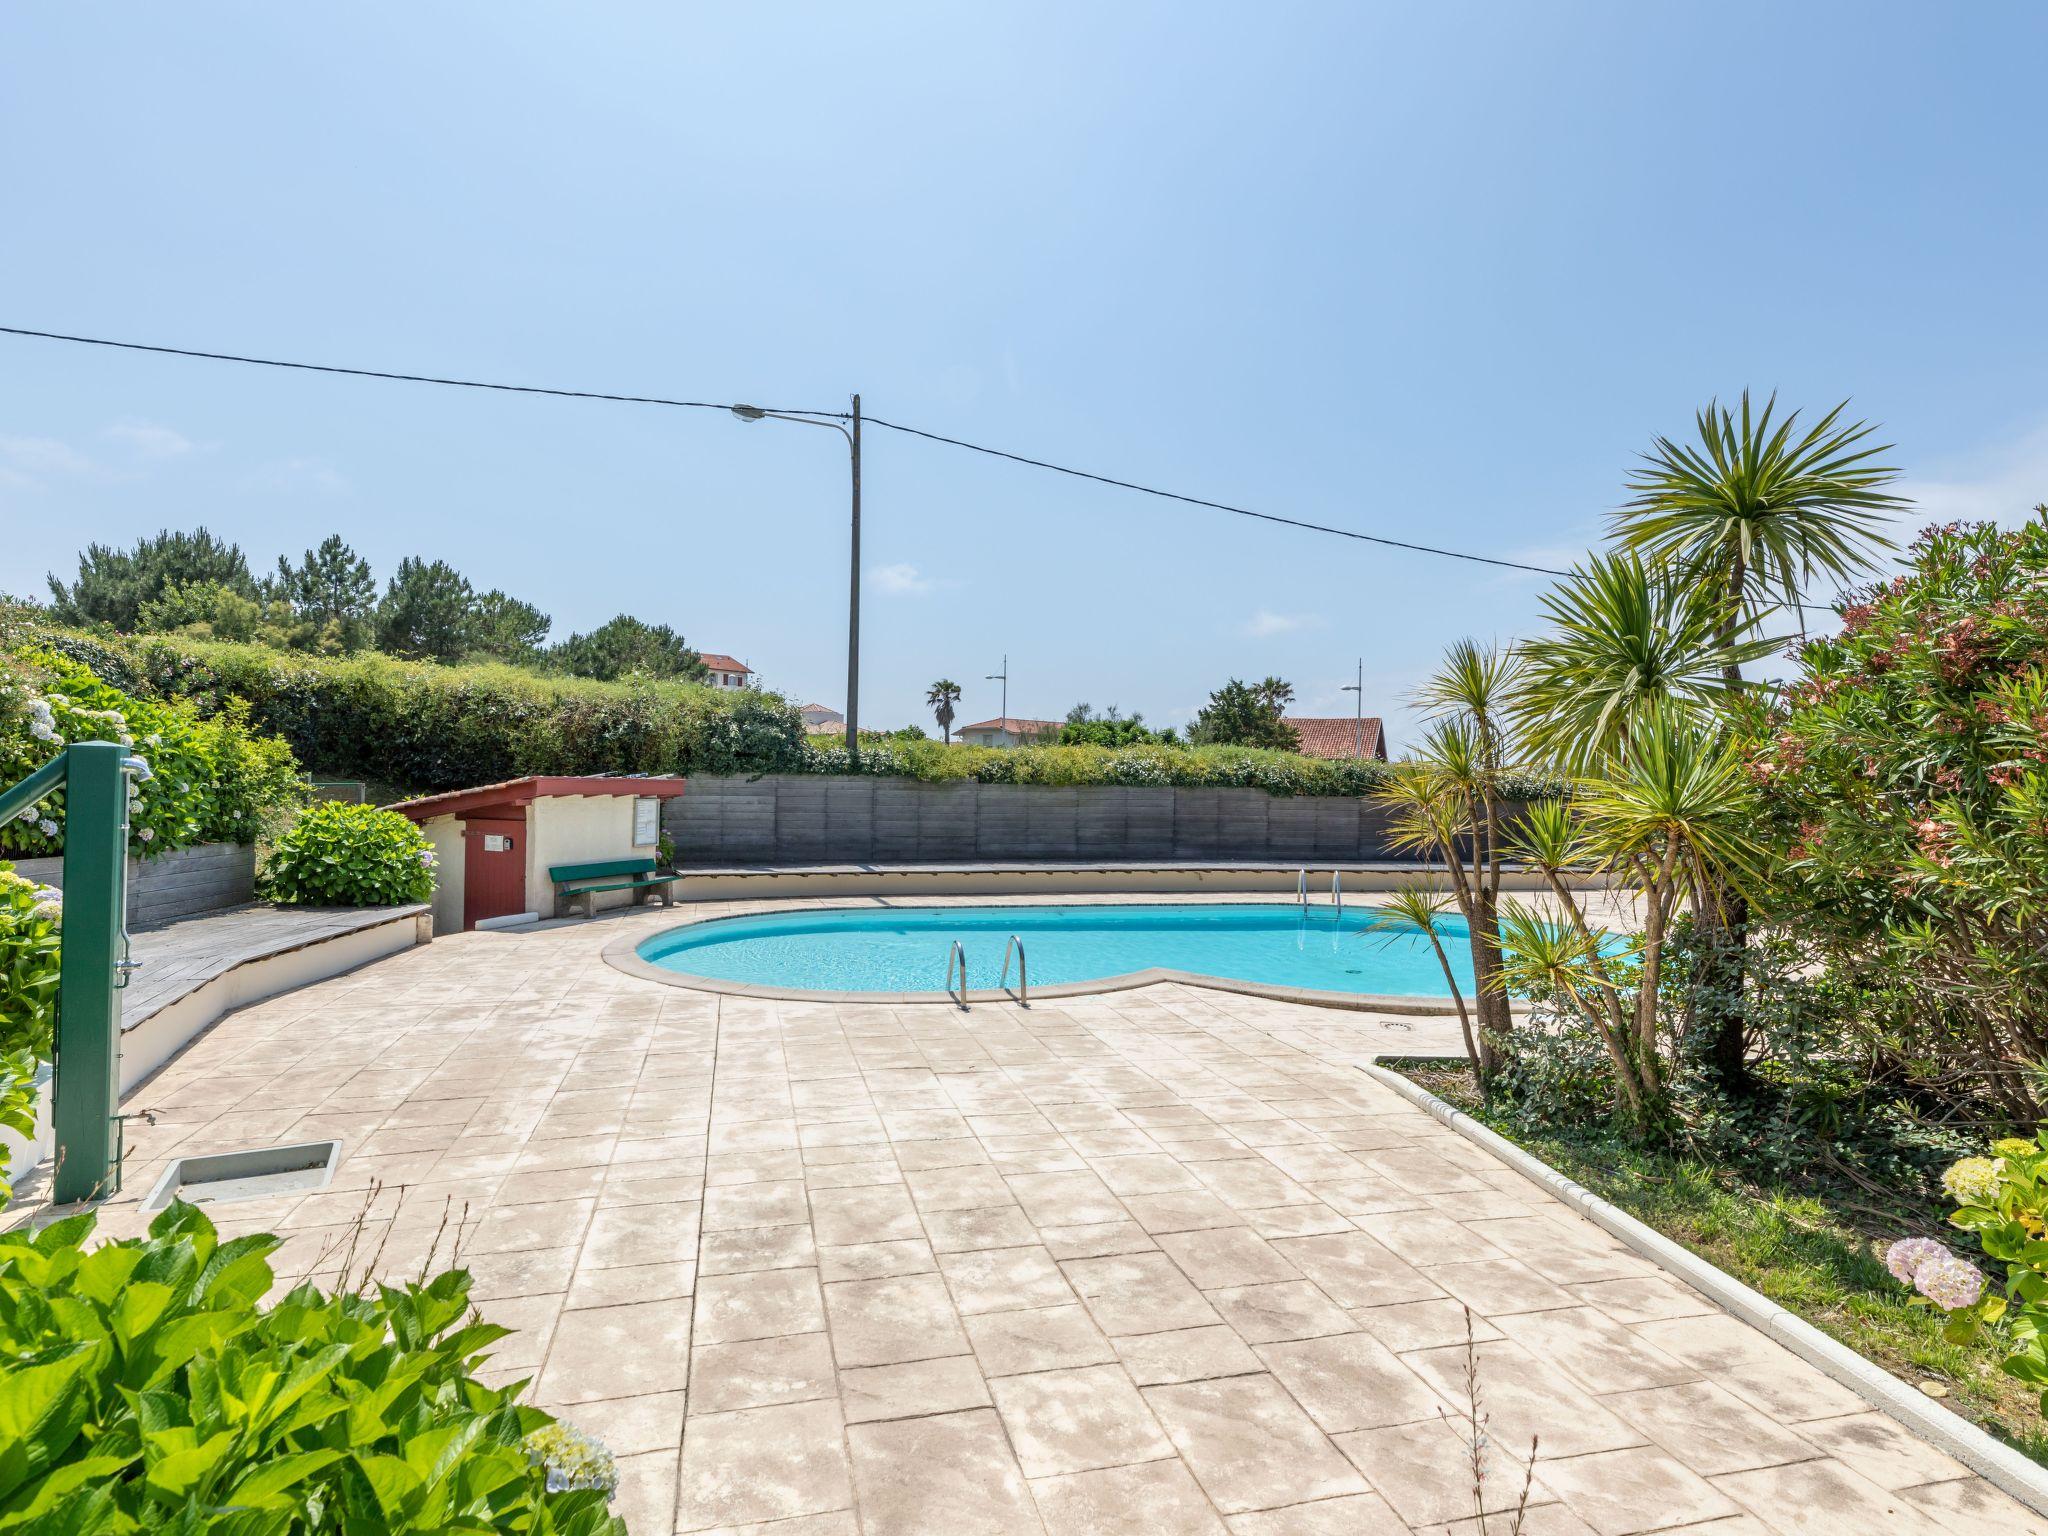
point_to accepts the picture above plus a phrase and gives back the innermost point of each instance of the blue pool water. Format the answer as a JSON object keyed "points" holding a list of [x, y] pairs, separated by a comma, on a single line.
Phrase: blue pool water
{"points": [[904, 949]]}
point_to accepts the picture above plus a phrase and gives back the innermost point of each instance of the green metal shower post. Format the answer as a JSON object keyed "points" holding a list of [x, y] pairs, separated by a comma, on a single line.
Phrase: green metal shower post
{"points": [[88, 1089]]}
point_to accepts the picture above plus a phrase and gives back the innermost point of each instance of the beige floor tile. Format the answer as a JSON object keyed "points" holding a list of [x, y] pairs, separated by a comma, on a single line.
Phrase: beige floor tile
{"points": [[1757, 1369], [1497, 1287], [752, 1248], [1424, 1237], [1406, 1325], [1288, 1310], [912, 1390], [1040, 1339], [1824, 1498], [1138, 1293], [1644, 1299], [618, 1352], [875, 1261], [1620, 1493], [1424, 1470], [758, 1305], [1096, 1240], [1151, 1173], [1355, 1270], [1182, 1212], [864, 1214], [888, 1322], [641, 1234], [1595, 1351], [1709, 1428], [997, 1226], [730, 1207], [762, 1464], [957, 1189], [1186, 1354], [1076, 1420], [1155, 1498], [632, 1426], [646, 1497], [1065, 1199], [759, 1372], [523, 1228], [951, 1474], [1966, 1506], [1227, 1256], [1355, 1514], [1524, 1398], [1350, 1381], [1882, 1450], [1004, 1279], [1250, 1445], [638, 1282]]}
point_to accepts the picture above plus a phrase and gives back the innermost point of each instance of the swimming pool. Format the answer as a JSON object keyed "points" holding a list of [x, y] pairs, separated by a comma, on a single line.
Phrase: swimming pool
{"points": [[904, 949]]}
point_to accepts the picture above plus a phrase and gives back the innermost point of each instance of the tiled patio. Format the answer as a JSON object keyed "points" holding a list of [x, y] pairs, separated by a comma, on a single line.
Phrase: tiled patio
{"points": [[1155, 1262]]}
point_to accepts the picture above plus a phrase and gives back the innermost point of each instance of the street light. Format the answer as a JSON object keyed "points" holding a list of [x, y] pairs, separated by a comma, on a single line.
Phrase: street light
{"points": [[1004, 675], [1358, 728], [755, 413]]}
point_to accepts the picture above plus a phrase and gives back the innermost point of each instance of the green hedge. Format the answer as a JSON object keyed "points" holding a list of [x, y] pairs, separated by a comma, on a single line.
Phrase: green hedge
{"points": [[430, 727], [215, 780], [338, 855]]}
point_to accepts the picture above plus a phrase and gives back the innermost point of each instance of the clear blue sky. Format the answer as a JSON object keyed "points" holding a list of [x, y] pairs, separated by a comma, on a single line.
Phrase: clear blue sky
{"points": [[1431, 271]]}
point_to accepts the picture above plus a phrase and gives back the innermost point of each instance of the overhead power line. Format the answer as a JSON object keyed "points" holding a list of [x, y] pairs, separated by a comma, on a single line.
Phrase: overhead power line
{"points": [[1220, 506], [713, 405]]}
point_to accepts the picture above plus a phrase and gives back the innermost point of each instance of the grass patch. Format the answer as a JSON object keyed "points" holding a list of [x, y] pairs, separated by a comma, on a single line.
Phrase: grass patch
{"points": [[1809, 1249]]}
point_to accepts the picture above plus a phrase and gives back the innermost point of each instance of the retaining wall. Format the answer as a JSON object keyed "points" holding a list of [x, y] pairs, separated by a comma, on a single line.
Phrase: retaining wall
{"points": [[183, 883], [803, 819]]}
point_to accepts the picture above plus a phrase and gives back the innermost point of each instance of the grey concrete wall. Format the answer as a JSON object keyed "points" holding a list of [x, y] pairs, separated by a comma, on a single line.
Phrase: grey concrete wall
{"points": [[183, 883], [800, 819]]}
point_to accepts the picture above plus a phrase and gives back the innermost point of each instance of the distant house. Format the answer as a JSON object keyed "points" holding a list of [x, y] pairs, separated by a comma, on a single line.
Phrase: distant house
{"points": [[1008, 731], [726, 672], [1340, 736], [821, 718]]}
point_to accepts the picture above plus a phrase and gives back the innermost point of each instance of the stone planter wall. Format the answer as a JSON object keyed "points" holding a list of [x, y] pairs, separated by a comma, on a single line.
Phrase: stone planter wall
{"points": [[183, 883], [804, 819]]}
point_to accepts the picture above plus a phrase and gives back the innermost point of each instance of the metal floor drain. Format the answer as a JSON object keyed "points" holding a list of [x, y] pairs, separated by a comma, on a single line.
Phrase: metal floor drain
{"points": [[254, 1173]]}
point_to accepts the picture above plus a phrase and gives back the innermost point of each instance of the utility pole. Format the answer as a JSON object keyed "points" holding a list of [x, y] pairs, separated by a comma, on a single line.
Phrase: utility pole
{"points": [[1358, 726], [853, 609], [1004, 676]]}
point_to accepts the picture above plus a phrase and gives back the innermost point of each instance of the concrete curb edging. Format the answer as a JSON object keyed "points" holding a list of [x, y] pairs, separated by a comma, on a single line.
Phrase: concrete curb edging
{"points": [[1946, 1430]]}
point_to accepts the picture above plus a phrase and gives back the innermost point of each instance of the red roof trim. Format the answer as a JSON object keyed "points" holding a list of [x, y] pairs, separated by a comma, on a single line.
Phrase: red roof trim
{"points": [[718, 661], [520, 791]]}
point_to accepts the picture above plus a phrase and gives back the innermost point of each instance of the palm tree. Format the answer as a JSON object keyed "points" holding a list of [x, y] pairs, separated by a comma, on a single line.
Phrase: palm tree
{"points": [[1445, 802], [1749, 514], [1624, 637], [942, 696]]}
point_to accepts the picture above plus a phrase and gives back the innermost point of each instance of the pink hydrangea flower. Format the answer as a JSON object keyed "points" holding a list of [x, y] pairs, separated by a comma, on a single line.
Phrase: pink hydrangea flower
{"points": [[1905, 1257], [1949, 1282]]}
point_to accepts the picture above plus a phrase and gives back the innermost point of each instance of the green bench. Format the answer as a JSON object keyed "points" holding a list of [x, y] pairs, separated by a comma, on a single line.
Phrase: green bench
{"points": [[582, 882]]}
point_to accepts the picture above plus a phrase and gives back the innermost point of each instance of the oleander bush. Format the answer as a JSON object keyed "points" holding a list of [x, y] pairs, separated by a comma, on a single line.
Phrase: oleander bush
{"points": [[340, 855], [144, 1385], [215, 778]]}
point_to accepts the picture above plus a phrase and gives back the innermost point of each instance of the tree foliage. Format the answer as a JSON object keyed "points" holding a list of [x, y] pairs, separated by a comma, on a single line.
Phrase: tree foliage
{"points": [[1241, 714], [629, 647], [113, 585]]}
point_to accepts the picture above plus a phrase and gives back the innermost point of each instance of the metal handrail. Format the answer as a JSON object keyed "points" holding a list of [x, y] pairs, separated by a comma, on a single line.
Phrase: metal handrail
{"points": [[1023, 993], [1301, 887], [957, 955], [1337, 889]]}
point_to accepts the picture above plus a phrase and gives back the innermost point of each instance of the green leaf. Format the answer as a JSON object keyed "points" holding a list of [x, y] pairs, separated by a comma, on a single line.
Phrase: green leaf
{"points": [[42, 1408]]}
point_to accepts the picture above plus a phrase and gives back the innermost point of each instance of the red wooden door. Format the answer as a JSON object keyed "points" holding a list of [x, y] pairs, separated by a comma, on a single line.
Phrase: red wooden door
{"points": [[493, 869]]}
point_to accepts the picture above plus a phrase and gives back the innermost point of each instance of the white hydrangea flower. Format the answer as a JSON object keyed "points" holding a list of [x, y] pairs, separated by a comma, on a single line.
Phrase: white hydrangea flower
{"points": [[147, 834], [47, 827]]}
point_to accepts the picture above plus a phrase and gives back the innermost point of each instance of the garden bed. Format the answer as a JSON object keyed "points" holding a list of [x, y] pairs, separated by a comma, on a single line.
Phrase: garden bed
{"points": [[1817, 1250]]}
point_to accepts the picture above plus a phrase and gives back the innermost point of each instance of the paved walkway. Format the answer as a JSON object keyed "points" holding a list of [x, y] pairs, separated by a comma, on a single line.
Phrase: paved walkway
{"points": [[1156, 1262]]}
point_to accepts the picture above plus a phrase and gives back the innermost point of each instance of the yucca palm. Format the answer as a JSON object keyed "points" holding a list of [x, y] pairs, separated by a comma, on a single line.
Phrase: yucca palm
{"points": [[1417, 907], [1624, 636], [1754, 512], [942, 696], [1445, 802]]}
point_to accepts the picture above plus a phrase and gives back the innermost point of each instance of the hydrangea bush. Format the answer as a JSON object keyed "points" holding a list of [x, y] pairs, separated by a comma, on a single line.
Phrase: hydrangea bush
{"points": [[30, 916], [213, 780], [2003, 1199], [338, 855], [144, 1385]]}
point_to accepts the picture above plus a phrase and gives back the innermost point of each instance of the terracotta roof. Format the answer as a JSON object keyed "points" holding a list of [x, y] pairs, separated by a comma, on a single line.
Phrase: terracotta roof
{"points": [[718, 661], [1337, 736], [1013, 725], [520, 791]]}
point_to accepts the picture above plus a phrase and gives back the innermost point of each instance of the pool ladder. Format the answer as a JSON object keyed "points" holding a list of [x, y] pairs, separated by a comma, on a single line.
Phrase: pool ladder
{"points": [[1336, 889], [1023, 992], [956, 958]]}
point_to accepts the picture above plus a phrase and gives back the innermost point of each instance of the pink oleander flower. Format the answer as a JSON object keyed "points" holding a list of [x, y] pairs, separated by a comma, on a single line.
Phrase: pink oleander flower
{"points": [[1949, 1282], [1905, 1257]]}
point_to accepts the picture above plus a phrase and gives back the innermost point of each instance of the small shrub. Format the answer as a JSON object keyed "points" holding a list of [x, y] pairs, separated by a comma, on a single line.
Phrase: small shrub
{"points": [[338, 855], [145, 1387]]}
